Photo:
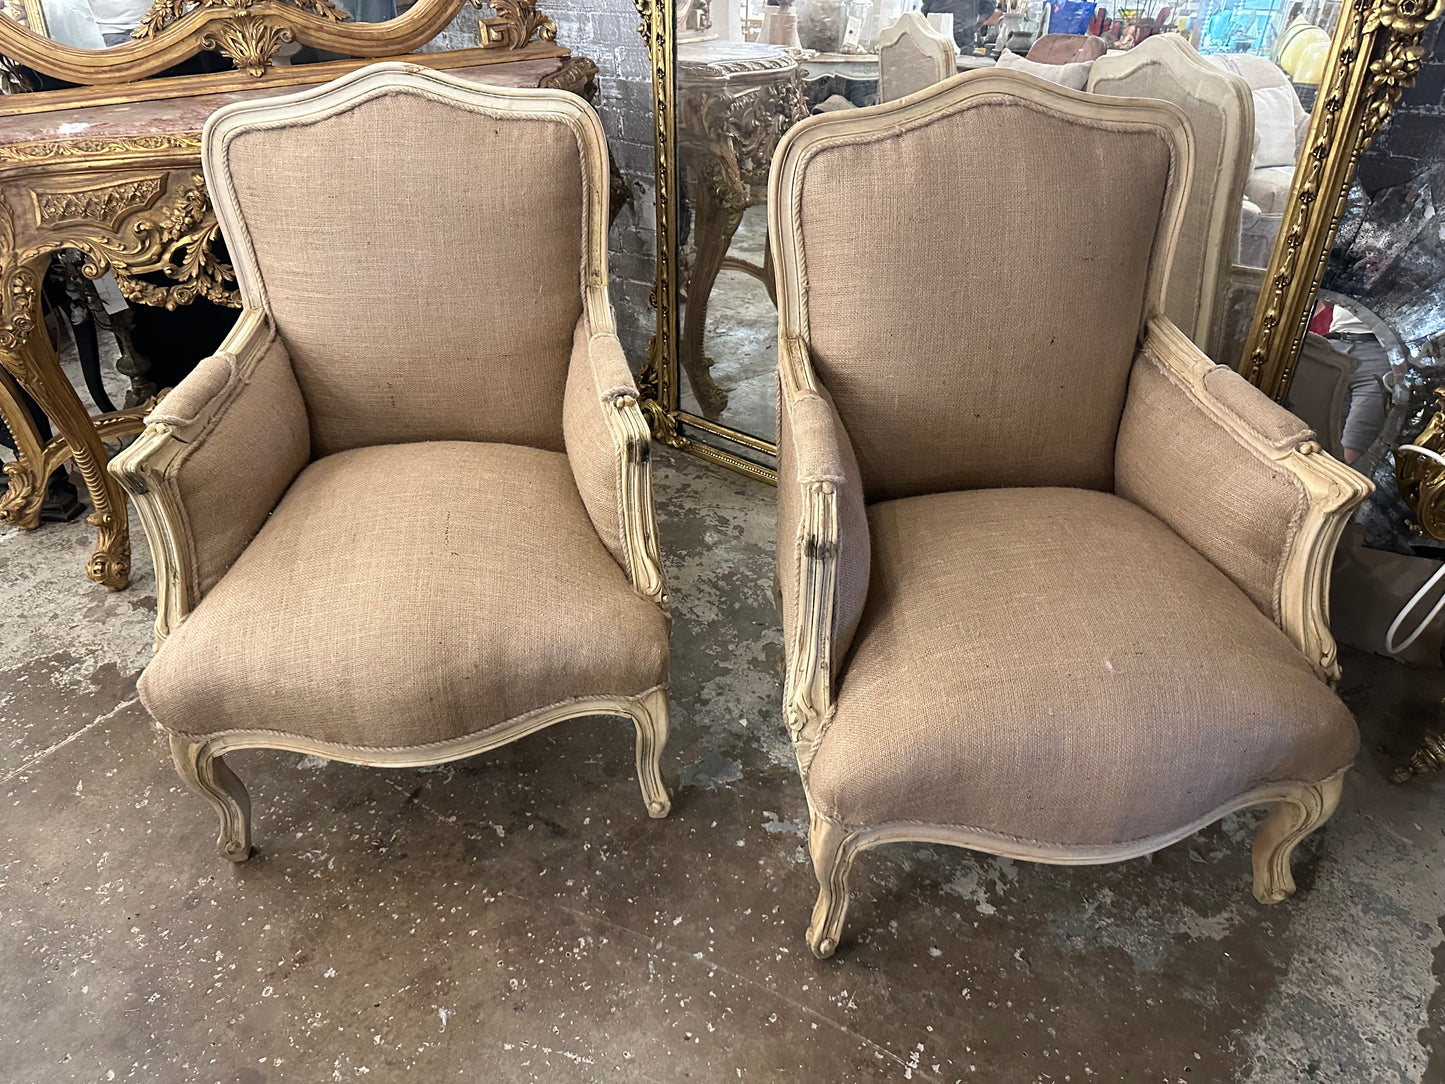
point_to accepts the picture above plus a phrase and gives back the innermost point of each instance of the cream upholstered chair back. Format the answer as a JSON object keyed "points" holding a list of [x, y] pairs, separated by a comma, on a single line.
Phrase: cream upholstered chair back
{"points": [[1221, 117], [912, 55], [420, 250], [967, 340]]}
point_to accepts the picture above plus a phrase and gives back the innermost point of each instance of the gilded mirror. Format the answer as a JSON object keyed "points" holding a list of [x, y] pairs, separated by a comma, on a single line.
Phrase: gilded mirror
{"points": [[1294, 88], [95, 42]]}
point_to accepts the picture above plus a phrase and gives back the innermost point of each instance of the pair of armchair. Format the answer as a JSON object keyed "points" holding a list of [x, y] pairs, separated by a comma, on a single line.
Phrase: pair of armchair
{"points": [[1051, 588], [404, 515]]}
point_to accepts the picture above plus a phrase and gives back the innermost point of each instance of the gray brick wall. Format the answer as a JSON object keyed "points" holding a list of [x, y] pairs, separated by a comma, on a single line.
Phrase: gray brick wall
{"points": [[606, 32]]}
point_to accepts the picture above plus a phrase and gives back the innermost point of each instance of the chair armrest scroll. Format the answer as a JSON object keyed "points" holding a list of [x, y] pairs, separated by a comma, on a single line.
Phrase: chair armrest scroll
{"points": [[1241, 480], [823, 543], [216, 456], [609, 447]]}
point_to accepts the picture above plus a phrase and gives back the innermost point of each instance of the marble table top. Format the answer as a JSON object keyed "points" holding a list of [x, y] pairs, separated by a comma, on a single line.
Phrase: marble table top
{"points": [[182, 105]]}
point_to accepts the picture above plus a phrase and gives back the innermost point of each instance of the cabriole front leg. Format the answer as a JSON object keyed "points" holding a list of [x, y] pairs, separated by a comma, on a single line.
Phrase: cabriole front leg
{"points": [[832, 849], [1284, 829], [26, 352], [209, 776], [716, 218], [650, 716]]}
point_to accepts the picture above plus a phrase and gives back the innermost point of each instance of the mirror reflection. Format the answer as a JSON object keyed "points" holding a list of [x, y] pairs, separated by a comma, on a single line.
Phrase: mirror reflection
{"points": [[1368, 374], [747, 71], [105, 24]]}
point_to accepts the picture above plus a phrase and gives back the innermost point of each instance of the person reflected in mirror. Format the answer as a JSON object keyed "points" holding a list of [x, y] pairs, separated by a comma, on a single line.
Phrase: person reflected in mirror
{"points": [[117, 19], [1367, 399]]}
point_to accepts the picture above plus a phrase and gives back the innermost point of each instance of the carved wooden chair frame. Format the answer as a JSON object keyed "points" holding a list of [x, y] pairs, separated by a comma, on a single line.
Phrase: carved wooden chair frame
{"points": [[1332, 493], [147, 468]]}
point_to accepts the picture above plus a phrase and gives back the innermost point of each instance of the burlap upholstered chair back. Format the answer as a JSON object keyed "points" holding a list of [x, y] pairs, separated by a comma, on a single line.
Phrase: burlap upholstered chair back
{"points": [[421, 255], [970, 272]]}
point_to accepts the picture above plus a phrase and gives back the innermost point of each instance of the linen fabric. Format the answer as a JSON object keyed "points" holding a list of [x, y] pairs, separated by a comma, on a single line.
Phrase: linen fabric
{"points": [[814, 447], [1072, 75], [1056, 665], [1244, 511], [361, 270], [407, 594], [236, 467], [597, 377], [1268, 188], [1274, 126], [952, 369]]}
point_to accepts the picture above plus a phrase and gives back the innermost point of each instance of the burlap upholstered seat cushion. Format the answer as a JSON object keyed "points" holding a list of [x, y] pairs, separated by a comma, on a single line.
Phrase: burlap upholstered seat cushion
{"points": [[1057, 665], [411, 593]]}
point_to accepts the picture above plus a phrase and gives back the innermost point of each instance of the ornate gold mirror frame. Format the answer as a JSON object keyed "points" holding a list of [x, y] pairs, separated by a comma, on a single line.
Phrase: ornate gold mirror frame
{"points": [[250, 32], [1374, 57], [659, 381]]}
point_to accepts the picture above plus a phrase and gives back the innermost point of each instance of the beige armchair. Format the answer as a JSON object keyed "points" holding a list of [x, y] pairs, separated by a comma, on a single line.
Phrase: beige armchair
{"points": [[404, 515], [1053, 585]]}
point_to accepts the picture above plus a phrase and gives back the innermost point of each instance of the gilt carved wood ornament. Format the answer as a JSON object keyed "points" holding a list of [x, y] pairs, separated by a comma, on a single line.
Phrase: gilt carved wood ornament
{"points": [[250, 33]]}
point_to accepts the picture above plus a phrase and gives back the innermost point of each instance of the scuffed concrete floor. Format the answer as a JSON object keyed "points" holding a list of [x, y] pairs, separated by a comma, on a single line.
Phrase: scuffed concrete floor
{"points": [[517, 916]]}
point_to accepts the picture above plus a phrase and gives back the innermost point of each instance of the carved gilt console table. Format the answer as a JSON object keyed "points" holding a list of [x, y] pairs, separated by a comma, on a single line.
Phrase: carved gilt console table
{"points": [[114, 174], [735, 101]]}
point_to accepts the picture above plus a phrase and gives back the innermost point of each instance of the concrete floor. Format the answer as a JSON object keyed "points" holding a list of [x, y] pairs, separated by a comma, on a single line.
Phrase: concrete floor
{"points": [[518, 917]]}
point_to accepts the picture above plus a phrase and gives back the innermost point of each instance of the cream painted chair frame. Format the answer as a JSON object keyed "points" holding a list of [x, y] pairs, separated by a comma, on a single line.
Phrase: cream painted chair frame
{"points": [[147, 468], [910, 42], [1332, 492], [1221, 165]]}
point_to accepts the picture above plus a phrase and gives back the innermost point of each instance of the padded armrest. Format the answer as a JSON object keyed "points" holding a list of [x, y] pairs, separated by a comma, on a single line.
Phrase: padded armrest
{"points": [[1241, 480], [216, 456], [823, 542], [609, 448]]}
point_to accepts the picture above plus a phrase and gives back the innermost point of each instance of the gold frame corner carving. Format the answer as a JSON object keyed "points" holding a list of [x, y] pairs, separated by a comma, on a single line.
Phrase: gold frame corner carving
{"points": [[250, 32], [516, 23]]}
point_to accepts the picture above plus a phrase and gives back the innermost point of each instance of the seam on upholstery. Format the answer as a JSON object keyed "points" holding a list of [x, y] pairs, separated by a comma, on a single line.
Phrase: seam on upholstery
{"points": [[948, 826], [229, 393], [1283, 444], [606, 401], [807, 395], [610, 394], [1301, 499], [242, 380], [662, 687]]}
